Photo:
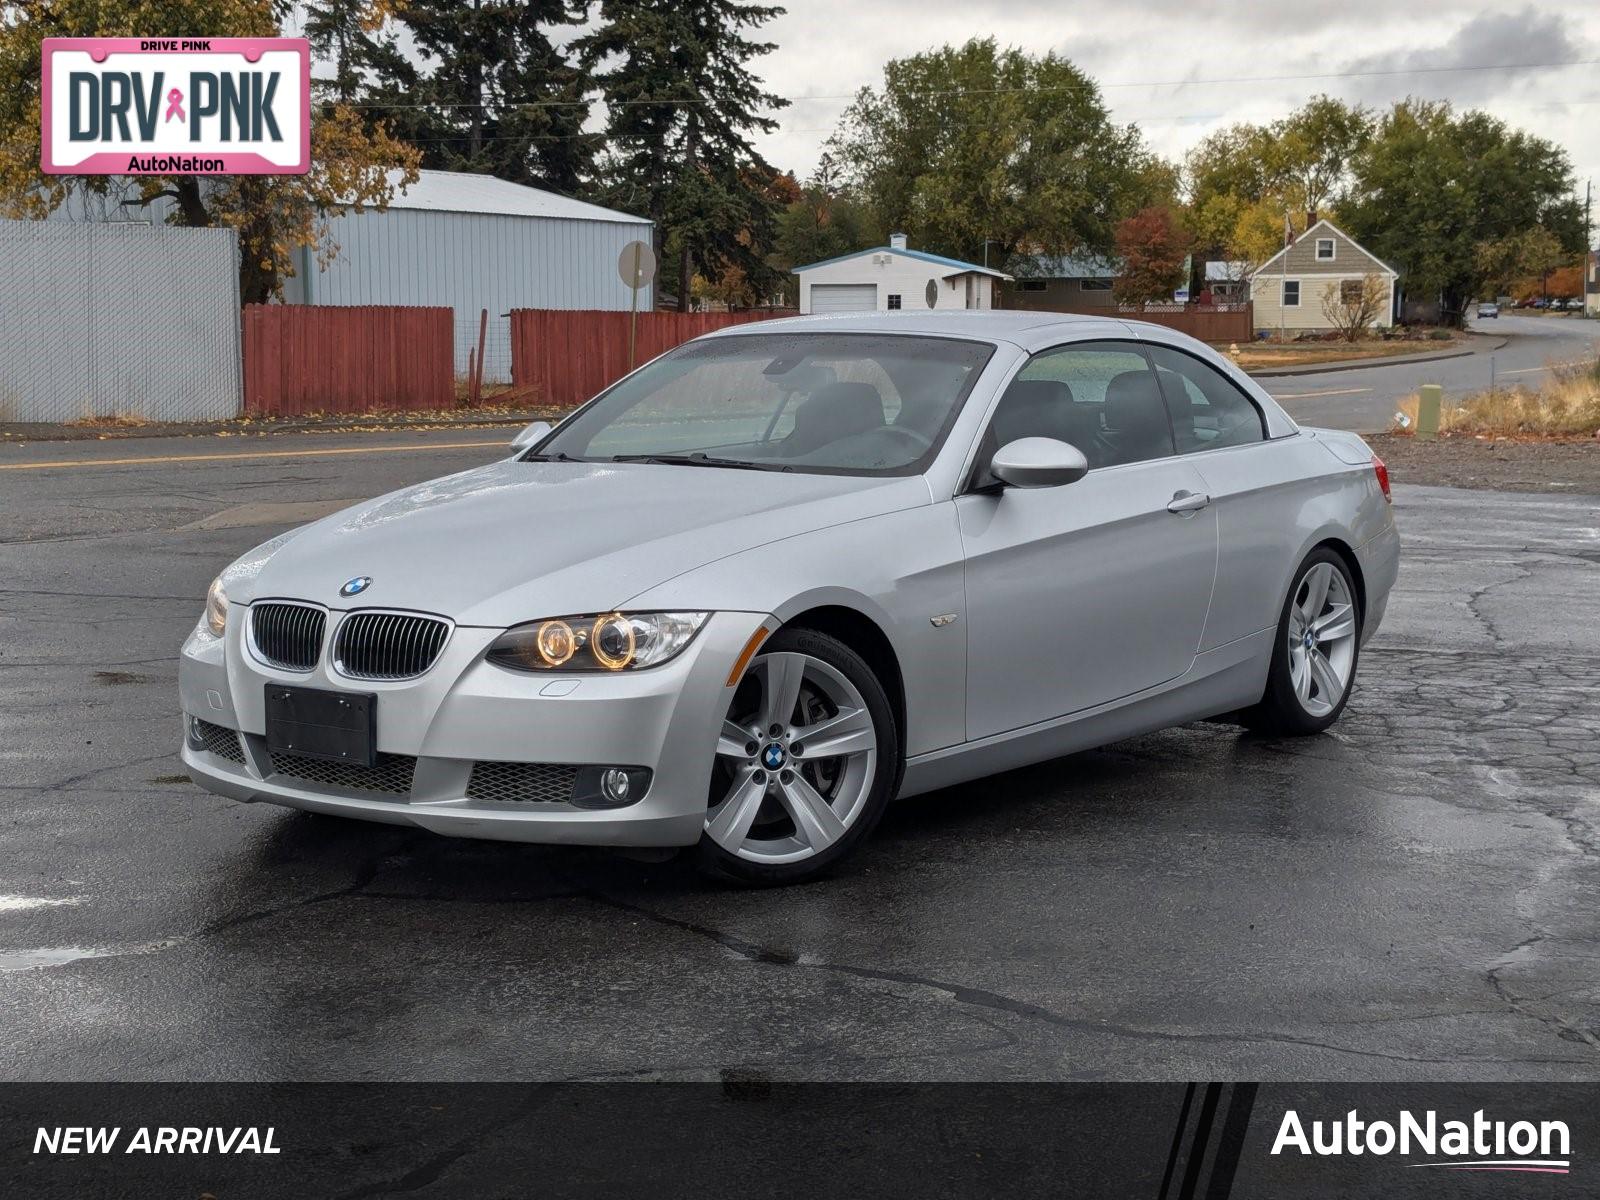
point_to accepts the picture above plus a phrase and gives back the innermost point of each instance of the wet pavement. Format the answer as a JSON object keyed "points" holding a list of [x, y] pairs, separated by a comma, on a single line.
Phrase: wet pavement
{"points": [[1412, 896]]}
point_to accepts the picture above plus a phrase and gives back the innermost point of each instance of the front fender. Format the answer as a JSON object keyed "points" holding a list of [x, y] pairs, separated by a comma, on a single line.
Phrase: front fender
{"points": [[900, 570]]}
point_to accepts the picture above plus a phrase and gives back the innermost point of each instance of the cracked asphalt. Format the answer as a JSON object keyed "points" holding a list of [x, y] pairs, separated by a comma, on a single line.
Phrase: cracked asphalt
{"points": [[1411, 897]]}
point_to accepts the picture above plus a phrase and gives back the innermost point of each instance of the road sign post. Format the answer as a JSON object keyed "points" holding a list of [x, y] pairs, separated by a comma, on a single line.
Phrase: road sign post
{"points": [[637, 266]]}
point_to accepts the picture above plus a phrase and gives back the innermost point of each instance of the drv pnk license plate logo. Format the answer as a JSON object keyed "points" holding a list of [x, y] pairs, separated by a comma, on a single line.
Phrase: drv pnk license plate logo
{"points": [[176, 106]]}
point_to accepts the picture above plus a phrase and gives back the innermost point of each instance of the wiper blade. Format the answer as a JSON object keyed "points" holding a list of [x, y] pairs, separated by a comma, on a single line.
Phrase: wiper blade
{"points": [[558, 456], [697, 459]]}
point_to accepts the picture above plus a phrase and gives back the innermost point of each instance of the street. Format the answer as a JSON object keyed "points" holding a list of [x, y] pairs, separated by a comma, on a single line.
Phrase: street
{"points": [[1410, 897], [1365, 399]]}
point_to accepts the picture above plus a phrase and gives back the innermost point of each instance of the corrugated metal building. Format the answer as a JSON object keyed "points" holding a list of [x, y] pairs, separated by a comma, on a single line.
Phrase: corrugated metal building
{"points": [[468, 241], [474, 242]]}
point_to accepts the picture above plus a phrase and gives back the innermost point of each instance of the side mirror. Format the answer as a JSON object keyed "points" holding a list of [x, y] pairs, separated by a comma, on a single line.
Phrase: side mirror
{"points": [[530, 435], [1038, 462]]}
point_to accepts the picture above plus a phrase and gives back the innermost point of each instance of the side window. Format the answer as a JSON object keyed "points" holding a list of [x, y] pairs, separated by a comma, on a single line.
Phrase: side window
{"points": [[1208, 409], [1101, 397]]}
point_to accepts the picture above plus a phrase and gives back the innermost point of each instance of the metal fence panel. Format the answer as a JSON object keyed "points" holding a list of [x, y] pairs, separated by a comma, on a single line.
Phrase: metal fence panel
{"points": [[118, 320]]}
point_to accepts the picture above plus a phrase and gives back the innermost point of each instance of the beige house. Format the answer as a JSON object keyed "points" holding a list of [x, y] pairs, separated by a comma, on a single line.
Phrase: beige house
{"points": [[1290, 288]]}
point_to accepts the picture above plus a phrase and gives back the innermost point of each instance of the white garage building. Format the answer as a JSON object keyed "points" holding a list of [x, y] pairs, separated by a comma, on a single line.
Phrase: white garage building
{"points": [[887, 278]]}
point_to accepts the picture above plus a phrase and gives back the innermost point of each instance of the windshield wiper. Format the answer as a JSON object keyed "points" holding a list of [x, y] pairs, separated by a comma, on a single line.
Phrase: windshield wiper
{"points": [[558, 456], [697, 459]]}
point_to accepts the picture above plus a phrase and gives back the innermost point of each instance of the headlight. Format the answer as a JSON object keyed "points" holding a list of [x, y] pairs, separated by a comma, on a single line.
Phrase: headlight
{"points": [[216, 617], [596, 641]]}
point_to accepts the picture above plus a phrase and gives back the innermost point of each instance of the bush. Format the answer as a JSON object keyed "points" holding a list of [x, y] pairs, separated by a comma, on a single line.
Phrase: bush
{"points": [[1440, 335]]}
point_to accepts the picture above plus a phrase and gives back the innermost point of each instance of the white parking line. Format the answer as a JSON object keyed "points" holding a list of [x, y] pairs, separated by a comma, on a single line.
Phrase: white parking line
{"points": [[1330, 392]]}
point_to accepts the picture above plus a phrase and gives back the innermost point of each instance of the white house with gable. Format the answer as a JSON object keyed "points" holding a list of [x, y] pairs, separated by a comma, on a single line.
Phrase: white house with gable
{"points": [[887, 278]]}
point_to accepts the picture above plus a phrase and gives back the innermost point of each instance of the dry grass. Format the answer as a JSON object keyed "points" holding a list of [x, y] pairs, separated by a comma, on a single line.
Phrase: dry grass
{"points": [[109, 421], [1567, 404]]}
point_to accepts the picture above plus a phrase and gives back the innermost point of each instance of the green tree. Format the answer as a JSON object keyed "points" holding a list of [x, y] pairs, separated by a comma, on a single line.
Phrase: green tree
{"points": [[822, 222], [1308, 153], [274, 215], [1505, 260], [1230, 163], [1241, 180], [971, 144], [1151, 247], [493, 94], [682, 105], [352, 39], [1431, 187]]}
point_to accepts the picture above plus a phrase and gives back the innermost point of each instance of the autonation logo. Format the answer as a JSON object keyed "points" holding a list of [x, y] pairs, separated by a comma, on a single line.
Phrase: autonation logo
{"points": [[1476, 1145]]}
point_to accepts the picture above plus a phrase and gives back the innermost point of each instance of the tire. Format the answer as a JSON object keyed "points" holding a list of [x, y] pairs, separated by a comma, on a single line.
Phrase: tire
{"points": [[1299, 700], [779, 813]]}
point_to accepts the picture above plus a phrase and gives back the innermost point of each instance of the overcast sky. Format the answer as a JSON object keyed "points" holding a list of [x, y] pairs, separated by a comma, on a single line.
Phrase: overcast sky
{"points": [[1140, 51]]}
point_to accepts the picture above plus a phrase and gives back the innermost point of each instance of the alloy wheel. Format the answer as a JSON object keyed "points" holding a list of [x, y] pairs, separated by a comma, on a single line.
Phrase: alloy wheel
{"points": [[795, 762], [1321, 638]]}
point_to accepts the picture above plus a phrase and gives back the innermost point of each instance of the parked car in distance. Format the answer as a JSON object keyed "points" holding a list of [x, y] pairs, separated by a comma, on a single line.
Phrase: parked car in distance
{"points": [[1539, 302], [1488, 310], [775, 577]]}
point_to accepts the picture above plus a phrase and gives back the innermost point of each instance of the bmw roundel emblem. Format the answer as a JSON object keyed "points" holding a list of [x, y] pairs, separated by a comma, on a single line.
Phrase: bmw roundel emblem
{"points": [[356, 586], [773, 756]]}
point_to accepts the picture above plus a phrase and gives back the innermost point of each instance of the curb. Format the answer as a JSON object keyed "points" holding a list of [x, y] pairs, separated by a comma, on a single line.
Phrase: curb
{"points": [[18, 432], [1356, 364]]}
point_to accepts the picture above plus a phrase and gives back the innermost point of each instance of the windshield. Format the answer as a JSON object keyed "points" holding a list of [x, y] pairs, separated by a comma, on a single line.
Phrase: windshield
{"points": [[868, 404]]}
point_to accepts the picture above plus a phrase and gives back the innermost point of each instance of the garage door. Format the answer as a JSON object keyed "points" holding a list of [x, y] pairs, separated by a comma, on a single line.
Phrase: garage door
{"points": [[843, 297]]}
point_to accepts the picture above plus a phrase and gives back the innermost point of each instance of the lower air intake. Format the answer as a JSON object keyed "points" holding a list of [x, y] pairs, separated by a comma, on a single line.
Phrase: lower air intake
{"points": [[222, 742], [523, 783], [391, 776]]}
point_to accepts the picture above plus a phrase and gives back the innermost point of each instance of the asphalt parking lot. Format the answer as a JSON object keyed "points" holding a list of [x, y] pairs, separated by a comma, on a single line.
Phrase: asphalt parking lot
{"points": [[1411, 897]]}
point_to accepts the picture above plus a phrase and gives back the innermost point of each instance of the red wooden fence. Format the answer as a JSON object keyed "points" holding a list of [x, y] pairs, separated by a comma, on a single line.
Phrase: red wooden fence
{"points": [[1209, 323], [309, 358], [564, 356]]}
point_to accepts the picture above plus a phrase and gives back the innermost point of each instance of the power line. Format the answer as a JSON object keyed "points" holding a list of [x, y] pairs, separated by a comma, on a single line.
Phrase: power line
{"points": [[1086, 85]]}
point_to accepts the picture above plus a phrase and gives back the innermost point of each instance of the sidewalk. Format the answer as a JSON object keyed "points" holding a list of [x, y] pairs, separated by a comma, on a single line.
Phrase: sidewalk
{"points": [[465, 418]]}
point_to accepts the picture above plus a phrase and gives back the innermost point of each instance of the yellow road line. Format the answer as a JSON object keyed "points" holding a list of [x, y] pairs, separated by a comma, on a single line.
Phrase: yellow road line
{"points": [[176, 458], [1334, 392]]}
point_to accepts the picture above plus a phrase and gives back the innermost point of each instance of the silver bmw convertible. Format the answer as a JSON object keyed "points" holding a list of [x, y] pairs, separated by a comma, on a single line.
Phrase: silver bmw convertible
{"points": [[784, 573]]}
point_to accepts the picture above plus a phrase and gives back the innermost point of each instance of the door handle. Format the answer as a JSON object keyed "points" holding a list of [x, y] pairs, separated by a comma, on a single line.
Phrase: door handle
{"points": [[1184, 503]]}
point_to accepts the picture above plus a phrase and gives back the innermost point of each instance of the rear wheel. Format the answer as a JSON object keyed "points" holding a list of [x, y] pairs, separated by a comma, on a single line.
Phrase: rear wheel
{"points": [[1314, 655], [805, 764]]}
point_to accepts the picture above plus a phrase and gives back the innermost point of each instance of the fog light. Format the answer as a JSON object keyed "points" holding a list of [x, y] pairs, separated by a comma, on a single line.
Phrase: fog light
{"points": [[192, 733], [610, 787]]}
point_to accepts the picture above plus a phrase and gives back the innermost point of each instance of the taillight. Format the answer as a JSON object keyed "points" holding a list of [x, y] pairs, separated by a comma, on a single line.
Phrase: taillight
{"points": [[1382, 472]]}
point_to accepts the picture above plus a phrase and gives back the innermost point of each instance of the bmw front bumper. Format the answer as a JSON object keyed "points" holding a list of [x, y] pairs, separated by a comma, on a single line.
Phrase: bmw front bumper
{"points": [[463, 711]]}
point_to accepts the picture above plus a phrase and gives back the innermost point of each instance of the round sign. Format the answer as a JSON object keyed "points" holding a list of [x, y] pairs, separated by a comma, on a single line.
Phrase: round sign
{"points": [[932, 293], [637, 264]]}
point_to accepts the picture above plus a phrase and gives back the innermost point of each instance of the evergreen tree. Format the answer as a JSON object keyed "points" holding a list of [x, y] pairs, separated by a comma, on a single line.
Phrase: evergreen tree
{"points": [[350, 37], [494, 94], [682, 105]]}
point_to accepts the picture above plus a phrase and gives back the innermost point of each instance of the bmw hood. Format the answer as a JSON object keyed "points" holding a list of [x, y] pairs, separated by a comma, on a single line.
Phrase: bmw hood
{"points": [[515, 541]]}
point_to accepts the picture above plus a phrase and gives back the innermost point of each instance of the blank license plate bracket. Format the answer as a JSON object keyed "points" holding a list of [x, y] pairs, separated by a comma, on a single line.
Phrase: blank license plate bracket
{"points": [[338, 726]]}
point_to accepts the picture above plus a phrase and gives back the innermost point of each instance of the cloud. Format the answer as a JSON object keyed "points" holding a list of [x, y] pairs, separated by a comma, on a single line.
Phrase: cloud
{"points": [[1501, 39]]}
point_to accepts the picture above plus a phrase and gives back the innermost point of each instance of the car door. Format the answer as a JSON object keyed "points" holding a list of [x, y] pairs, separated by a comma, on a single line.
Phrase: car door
{"points": [[1081, 594], [1256, 488]]}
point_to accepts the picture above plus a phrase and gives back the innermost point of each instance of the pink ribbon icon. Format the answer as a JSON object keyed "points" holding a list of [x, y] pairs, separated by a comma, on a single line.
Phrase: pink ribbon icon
{"points": [[175, 105]]}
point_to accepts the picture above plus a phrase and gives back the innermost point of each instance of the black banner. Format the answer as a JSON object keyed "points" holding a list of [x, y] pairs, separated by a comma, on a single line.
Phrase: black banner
{"points": [[751, 1137]]}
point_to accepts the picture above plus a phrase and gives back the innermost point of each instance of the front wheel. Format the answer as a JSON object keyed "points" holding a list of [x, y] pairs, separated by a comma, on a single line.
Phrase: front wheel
{"points": [[805, 764], [1314, 654]]}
